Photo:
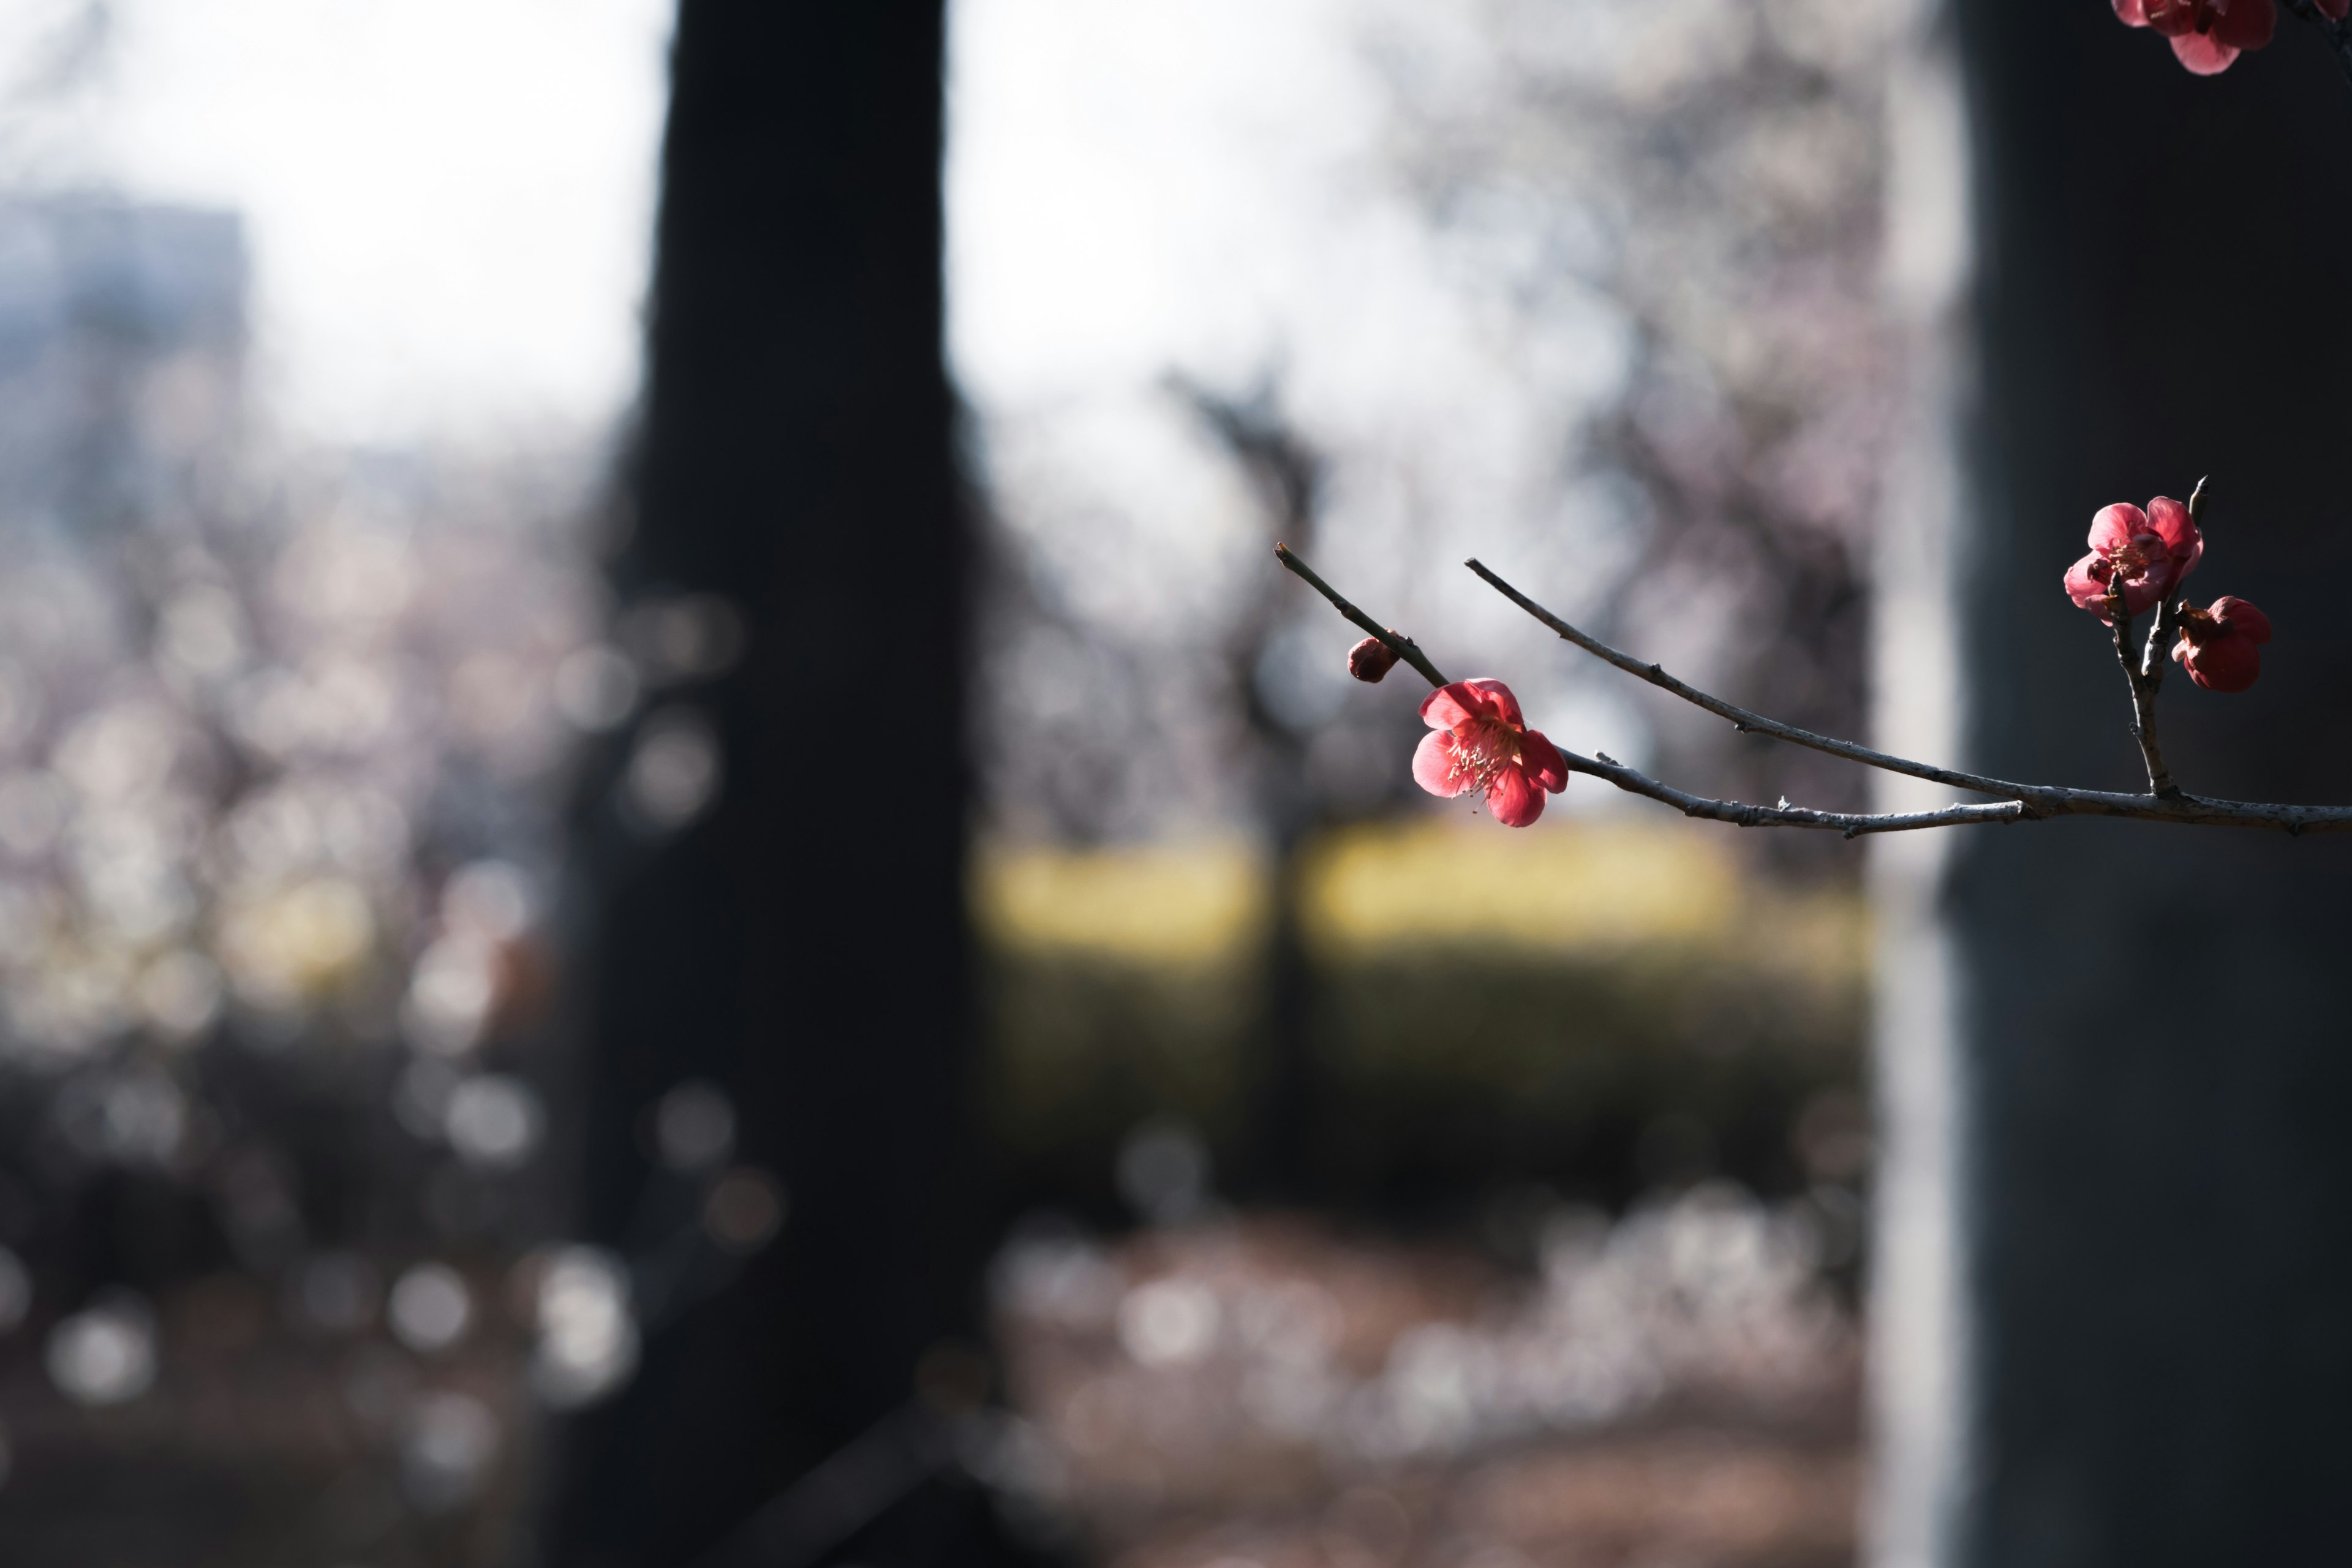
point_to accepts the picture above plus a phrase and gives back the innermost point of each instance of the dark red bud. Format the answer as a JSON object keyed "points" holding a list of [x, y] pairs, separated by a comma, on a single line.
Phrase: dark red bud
{"points": [[1370, 659]]}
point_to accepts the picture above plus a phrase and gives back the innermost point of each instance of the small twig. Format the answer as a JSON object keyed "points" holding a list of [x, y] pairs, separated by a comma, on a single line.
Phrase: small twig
{"points": [[2167, 626], [1743, 717], [2143, 693], [2161, 632], [1404, 647], [1853, 825]]}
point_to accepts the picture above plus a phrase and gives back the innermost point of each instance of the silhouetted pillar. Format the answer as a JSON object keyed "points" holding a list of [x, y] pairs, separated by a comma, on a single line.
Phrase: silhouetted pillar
{"points": [[2116, 1319], [801, 941]]}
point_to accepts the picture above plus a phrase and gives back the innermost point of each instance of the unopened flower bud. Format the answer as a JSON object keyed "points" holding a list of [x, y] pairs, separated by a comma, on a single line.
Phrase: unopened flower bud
{"points": [[2221, 646], [1370, 659]]}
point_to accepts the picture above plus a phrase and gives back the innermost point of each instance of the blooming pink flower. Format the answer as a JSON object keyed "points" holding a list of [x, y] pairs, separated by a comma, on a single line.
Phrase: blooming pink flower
{"points": [[2150, 551], [2207, 34], [1477, 741], [1370, 659], [2221, 646]]}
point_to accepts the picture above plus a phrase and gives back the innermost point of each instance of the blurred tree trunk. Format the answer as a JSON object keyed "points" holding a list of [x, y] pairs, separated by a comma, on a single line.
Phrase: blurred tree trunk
{"points": [[2133, 1037], [802, 942], [1278, 1144]]}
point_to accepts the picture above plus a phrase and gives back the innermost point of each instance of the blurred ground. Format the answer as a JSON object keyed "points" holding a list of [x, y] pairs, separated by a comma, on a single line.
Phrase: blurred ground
{"points": [[256, 1447], [1588, 1167], [1268, 1392]]}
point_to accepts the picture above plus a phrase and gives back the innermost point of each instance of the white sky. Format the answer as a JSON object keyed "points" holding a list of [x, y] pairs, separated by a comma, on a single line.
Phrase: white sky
{"points": [[448, 202], [1214, 188]]}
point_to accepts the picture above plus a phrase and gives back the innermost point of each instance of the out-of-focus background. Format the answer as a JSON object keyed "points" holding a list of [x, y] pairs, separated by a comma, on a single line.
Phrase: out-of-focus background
{"points": [[677, 885], [1395, 1188], [1369, 1182]]}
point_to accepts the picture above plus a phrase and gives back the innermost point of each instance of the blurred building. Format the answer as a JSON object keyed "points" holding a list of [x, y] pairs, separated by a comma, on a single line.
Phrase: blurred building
{"points": [[122, 339], [283, 733]]}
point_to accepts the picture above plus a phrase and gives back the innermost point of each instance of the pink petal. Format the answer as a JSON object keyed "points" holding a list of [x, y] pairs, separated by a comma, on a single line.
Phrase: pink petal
{"points": [[2204, 55], [2112, 527], [1450, 706], [1432, 766], [2087, 591], [1513, 800], [2132, 12], [1544, 764], [1497, 700], [2144, 589], [2183, 540], [2169, 520]]}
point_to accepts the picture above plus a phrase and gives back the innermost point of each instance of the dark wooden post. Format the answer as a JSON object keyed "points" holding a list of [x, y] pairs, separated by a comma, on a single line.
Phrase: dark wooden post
{"points": [[802, 942], [2145, 1060]]}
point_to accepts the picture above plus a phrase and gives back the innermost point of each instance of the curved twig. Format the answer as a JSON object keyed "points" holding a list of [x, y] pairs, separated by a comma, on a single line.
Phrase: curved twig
{"points": [[1404, 647], [1852, 824], [2143, 694], [2020, 803], [1742, 718]]}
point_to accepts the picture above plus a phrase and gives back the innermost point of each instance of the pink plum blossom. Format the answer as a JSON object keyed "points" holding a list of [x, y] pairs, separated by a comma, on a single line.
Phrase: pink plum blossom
{"points": [[1477, 741], [2149, 552], [2208, 35]]}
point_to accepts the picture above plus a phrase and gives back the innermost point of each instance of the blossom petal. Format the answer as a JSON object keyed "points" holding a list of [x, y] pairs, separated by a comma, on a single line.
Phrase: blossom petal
{"points": [[2112, 527], [2145, 589], [1434, 766], [1497, 700], [1450, 707], [2132, 12], [2203, 53], [2085, 587], [1513, 799], [1546, 768], [2183, 540]]}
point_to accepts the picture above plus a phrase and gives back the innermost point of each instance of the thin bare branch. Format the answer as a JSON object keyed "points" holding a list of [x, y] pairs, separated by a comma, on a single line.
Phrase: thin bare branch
{"points": [[2040, 801], [2143, 694], [1852, 824], [1745, 720], [2167, 626], [1404, 647], [2021, 803]]}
